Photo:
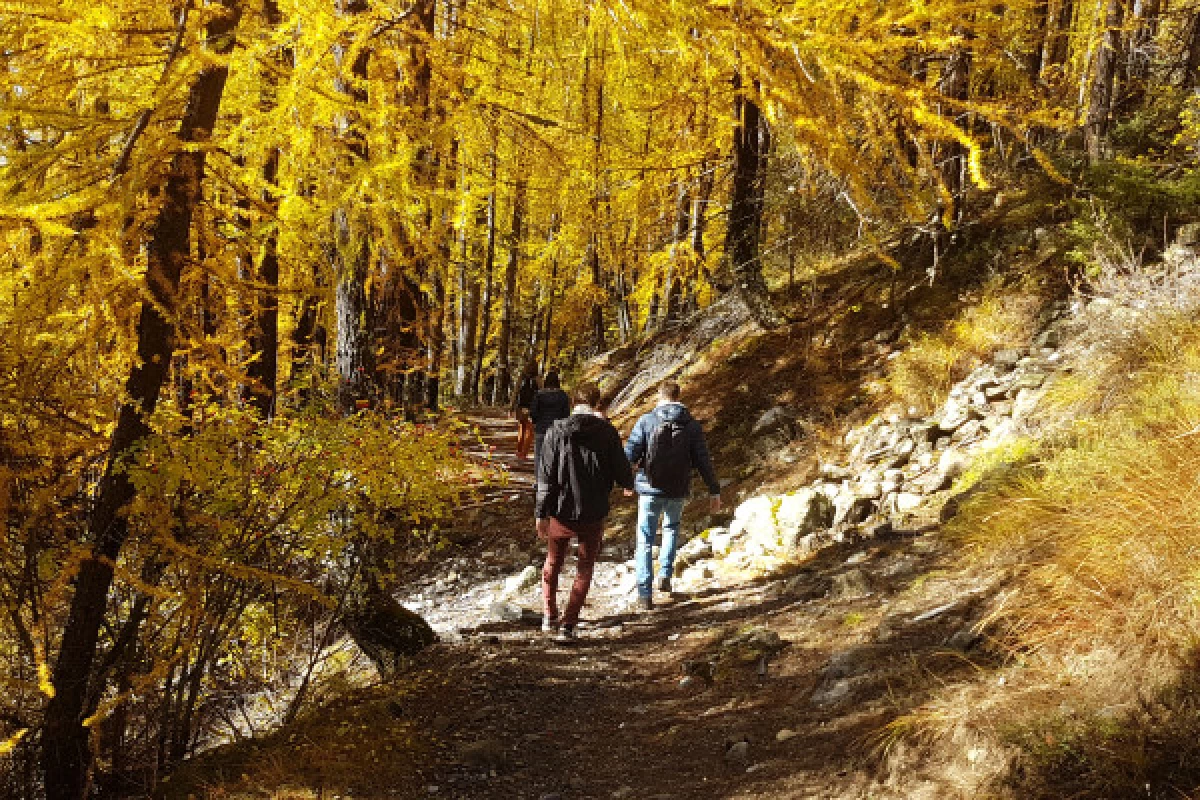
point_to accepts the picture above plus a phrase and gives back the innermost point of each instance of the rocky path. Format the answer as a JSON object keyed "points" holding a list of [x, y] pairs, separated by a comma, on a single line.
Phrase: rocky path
{"points": [[771, 687], [764, 677]]}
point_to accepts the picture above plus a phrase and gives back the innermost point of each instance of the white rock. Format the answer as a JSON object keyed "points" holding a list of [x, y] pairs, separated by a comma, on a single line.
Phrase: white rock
{"points": [[1003, 434], [1026, 402], [801, 513], [721, 540], [870, 489], [697, 574], [505, 612], [953, 463], [954, 416], [755, 511], [906, 502], [526, 579], [785, 734]]}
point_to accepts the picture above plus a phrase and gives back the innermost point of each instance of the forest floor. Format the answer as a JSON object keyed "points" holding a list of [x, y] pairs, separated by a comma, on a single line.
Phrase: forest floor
{"points": [[501, 710]]}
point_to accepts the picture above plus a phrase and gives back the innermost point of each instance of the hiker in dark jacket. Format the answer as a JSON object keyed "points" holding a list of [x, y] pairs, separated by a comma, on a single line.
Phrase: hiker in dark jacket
{"points": [[581, 460], [666, 444], [549, 405], [522, 400]]}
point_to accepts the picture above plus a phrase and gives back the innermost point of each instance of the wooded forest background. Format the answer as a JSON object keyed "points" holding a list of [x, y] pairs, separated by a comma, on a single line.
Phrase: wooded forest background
{"points": [[226, 227]]}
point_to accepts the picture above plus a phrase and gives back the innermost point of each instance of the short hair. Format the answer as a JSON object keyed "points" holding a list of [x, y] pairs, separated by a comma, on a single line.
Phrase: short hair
{"points": [[669, 390], [587, 394], [552, 381]]}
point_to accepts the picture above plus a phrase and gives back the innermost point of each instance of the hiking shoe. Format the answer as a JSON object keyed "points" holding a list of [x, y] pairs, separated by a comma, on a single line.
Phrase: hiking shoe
{"points": [[662, 584], [567, 633], [645, 603], [550, 624]]}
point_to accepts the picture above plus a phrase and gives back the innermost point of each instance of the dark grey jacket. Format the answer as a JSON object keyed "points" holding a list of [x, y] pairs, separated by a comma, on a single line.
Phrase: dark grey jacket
{"points": [[581, 459], [548, 406]]}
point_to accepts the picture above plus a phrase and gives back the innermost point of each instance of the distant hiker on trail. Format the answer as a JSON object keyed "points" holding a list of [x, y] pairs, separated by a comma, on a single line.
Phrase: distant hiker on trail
{"points": [[581, 460], [666, 444], [549, 405], [522, 400]]}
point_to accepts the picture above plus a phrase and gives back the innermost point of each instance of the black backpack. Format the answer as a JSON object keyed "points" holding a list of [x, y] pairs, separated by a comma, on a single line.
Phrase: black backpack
{"points": [[668, 464]]}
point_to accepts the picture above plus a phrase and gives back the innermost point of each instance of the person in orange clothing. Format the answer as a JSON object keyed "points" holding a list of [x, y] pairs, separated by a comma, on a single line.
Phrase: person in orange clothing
{"points": [[522, 399]]}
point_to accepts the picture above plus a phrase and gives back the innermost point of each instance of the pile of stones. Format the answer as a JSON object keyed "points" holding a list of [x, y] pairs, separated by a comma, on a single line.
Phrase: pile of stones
{"points": [[896, 468]]}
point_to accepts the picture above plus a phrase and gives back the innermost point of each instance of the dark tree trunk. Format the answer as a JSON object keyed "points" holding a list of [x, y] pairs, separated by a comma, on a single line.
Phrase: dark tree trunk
{"points": [[264, 367], [508, 312], [552, 298], [66, 753], [1191, 69], [599, 327], [1100, 96], [437, 342], [746, 208], [485, 311], [264, 343], [1037, 52], [955, 84], [599, 337], [1058, 42]]}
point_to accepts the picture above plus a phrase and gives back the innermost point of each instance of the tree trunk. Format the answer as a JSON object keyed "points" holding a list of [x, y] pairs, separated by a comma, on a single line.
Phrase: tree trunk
{"points": [[955, 84], [264, 343], [489, 266], [508, 311], [352, 247], [437, 334], [437, 341], [599, 338], [673, 279], [264, 368], [1140, 49], [624, 311], [699, 225], [1100, 97], [66, 752], [746, 209], [1037, 52], [1191, 70], [468, 318], [550, 301], [1058, 42]]}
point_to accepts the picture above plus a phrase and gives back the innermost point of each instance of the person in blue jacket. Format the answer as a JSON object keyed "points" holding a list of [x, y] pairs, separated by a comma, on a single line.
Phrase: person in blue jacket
{"points": [[666, 445]]}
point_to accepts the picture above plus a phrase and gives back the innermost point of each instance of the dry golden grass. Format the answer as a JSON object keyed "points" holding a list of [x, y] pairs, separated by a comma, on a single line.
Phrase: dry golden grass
{"points": [[930, 365], [1099, 540], [1106, 531]]}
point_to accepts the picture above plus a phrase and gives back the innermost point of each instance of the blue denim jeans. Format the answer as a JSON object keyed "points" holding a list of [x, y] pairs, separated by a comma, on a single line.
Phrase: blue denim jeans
{"points": [[650, 509]]}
